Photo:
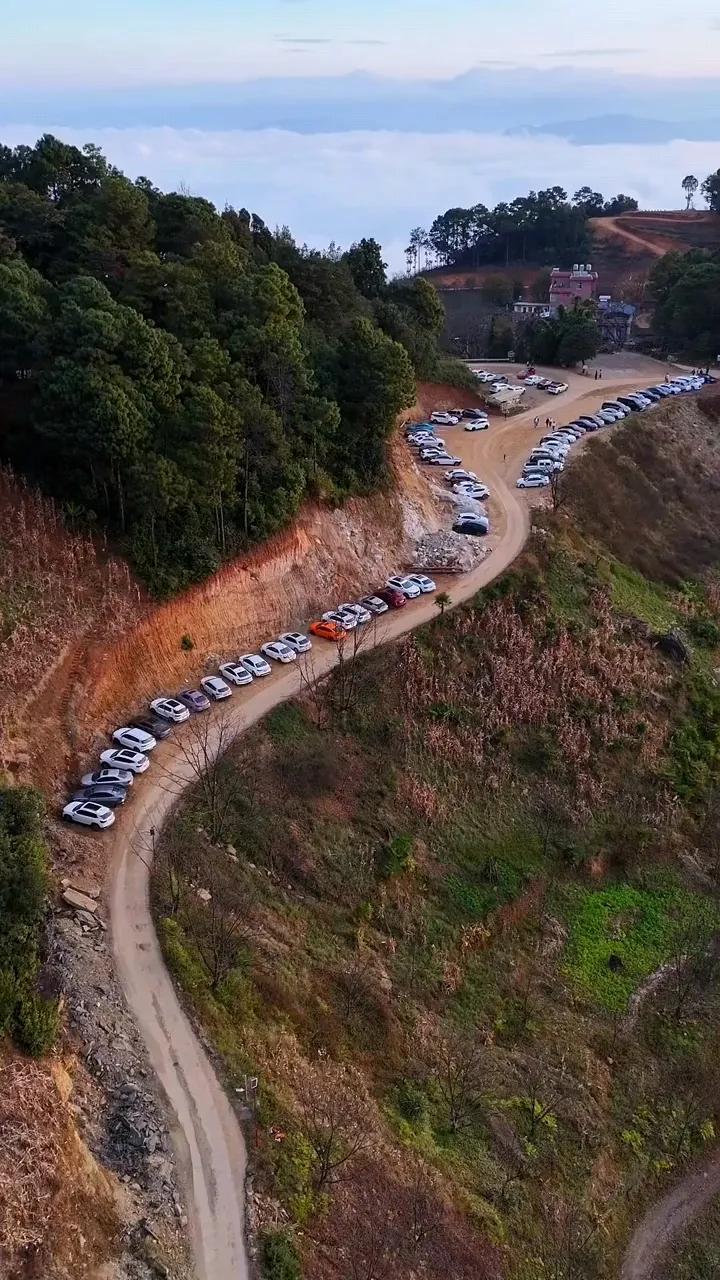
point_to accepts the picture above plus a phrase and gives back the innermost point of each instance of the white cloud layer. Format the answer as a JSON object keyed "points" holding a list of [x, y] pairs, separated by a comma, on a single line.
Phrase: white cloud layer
{"points": [[340, 186]]}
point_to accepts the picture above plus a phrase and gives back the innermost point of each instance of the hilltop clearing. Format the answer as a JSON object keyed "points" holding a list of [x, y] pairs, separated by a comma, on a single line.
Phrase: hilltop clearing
{"points": [[440, 887]]}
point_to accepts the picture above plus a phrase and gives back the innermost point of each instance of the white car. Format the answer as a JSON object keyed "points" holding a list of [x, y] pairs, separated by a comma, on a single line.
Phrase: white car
{"points": [[122, 777], [296, 641], [443, 418], [557, 388], [347, 621], [357, 611], [472, 489], [532, 379], [477, 424], [427, 454], [216, 688], [405, 584], [374, 605], [426, 585], [170, 709], [278, 651], [256, 665], [88, 814], [444, 460], [236, 674], [123, 758], [536, 481], [458, 474], [428, 441], [135, 739]]}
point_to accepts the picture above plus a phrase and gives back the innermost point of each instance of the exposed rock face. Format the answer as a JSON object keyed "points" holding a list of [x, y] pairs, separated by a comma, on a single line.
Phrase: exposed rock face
{"points": [[448, 553]]}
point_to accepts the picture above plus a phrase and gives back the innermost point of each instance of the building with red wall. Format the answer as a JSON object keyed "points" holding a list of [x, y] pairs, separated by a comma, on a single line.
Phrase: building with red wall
{"points": [[568, 288]]}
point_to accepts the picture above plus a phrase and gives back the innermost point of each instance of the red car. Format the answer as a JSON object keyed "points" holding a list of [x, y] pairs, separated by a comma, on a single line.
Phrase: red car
{"points": [[393, 597]]}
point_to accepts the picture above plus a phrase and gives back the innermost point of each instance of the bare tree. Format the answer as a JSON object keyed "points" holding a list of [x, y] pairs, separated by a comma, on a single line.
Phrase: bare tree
{"points": [[693, 958], [542, 1093], [218, 920], [460, 1067], [202, 746], [565, 1243], [176, 861], [333, 1106]]}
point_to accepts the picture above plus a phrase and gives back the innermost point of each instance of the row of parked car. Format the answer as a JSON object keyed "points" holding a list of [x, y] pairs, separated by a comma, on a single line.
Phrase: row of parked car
{"points": [[472, 419], [496, 382], [431, 449], [106, 787], [550, 454]]}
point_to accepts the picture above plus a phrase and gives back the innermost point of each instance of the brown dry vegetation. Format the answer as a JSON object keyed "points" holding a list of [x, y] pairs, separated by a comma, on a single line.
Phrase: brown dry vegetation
{"points": [[452, 889], [57, 1211]]}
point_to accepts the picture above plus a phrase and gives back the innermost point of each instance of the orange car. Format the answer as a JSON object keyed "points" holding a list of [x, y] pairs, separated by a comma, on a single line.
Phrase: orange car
{"points": [[328, 630]]}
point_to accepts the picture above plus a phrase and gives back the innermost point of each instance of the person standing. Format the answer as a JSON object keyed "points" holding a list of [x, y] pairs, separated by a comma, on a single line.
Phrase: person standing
{"points": [[536, 422]]}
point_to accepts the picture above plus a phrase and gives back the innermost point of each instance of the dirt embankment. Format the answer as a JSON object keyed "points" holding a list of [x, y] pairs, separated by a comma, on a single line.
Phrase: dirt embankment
{"points": [[324, 555]]}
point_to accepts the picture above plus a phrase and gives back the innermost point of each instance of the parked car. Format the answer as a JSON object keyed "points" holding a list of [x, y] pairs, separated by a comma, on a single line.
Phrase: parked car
{"points": [[346, 621], [458, 474], [472, 414], [428, 442], [426, 454], [135, 739], [216, 688], [194, 700], [297, 640], [546, 465], [401, 582], [124, 758], [537, 481], [119, 777], [471, 489], [88, 814], [170, 709], [157, 728], [532, 379], [445, 460], [357, 611], [254, 664], [478, 424], [278, 651], [107, 793], [392, 596], [236, 674], [557, 388], [374, 605], [328, 630], [475, 526], [426, 585], [443, 418]]}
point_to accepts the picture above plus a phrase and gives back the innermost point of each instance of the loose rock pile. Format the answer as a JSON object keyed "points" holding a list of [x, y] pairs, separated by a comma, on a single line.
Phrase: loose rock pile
{"points": [[123, 1122], [448, 553]]}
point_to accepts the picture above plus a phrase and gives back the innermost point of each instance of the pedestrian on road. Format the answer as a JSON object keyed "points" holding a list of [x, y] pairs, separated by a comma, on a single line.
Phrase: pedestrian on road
{"points": [[536, 422], [596, 375], [504, 457], [600, 374]]}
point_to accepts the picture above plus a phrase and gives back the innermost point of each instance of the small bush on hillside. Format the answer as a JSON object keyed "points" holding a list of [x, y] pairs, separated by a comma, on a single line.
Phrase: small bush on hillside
{"points": [[187, 644], [280, 1259], [37, 1023]]}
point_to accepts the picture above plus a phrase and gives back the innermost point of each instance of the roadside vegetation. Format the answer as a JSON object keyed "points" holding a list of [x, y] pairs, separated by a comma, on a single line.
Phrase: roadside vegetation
{"points": [[458, 909], [685, 290], [184, 378], [25, 1015]]}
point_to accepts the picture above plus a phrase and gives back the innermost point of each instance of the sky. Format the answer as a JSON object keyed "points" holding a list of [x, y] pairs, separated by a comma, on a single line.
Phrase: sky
{"points": [[371, 116]]}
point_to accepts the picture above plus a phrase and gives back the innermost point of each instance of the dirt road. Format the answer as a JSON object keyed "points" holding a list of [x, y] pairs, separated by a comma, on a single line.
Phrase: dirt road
{"points": [[208, 1140], [668, 1218]]}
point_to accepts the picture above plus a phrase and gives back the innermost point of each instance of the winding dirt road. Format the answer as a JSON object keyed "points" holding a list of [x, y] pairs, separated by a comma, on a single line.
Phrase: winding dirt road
{"points": [[207, 1138]]}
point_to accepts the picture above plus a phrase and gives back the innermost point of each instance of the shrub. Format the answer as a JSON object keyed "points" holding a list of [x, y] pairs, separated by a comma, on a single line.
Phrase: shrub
{"points": [[187, 644], [36, 1024], [279, 1255]]}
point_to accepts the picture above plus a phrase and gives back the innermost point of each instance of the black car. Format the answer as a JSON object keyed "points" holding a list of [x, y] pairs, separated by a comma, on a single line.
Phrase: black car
{"points": [[153, 725], [476, 528], [473, 414], [652, 394], [108, 793]]}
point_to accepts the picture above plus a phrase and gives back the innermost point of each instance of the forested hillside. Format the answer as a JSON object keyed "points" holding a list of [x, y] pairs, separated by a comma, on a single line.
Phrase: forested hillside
{"points": [[184, 377]]}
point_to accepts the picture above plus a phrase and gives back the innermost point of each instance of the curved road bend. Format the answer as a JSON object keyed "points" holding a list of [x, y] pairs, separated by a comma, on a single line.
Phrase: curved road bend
{"points": [[208, 1141]]}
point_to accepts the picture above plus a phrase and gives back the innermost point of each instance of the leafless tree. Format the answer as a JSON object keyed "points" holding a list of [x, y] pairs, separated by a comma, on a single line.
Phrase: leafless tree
{"points": [[333, 1107], [459, 1064], [566, 1240], [543, 1091], [693, 957], [218, 920], [176, 861], [202, 746]]}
